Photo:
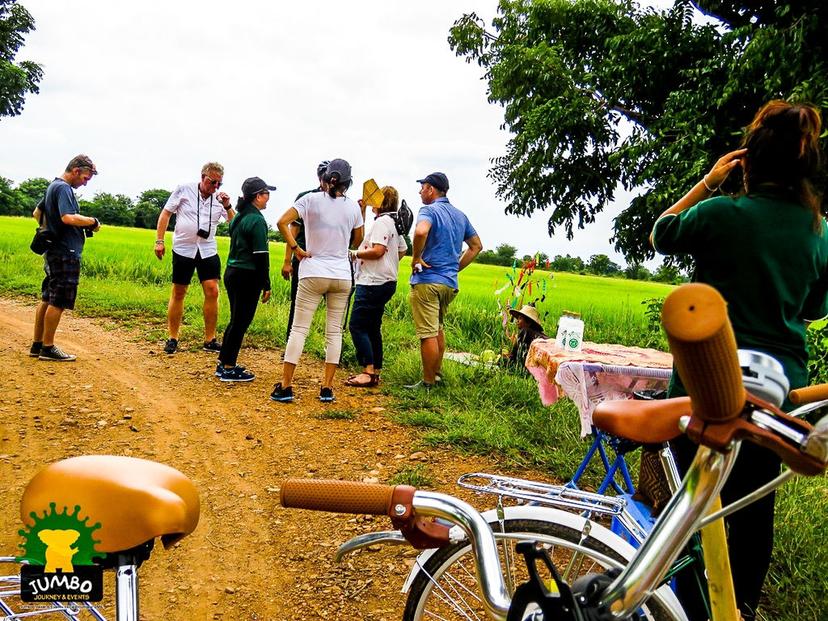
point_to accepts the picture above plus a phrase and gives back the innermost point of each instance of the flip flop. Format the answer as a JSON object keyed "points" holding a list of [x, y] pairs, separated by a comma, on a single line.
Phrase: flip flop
{"points": [[372, 381]]}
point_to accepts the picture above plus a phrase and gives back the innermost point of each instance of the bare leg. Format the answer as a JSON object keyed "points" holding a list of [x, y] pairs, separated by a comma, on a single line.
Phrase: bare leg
{"points": [[38, 325], [330, 370], [51, 319], [211, 294], [431, 356], [441, 346], [175, 309], [288, 369]]}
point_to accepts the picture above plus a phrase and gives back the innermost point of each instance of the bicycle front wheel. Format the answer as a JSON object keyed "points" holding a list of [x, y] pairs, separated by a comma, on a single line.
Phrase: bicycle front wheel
{"points": [[446, 587]]}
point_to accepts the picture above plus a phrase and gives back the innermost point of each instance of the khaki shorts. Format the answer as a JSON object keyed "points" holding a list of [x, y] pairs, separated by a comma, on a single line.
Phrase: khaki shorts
{"points": [[428, 307]]}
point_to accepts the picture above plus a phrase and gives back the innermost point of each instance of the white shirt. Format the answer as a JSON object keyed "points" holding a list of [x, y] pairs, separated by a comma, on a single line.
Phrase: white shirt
{"points": [[384, 269], [191, 212], [328, 225]]}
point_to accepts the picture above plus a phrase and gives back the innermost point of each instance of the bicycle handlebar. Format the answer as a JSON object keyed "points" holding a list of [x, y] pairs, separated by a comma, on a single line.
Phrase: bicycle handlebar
{"points": [[704, 351], [809, 394], [340, 496]]}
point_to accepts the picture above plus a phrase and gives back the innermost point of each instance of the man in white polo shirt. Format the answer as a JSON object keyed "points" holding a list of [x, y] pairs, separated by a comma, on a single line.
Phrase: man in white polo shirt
{"points": [[198, 209]]}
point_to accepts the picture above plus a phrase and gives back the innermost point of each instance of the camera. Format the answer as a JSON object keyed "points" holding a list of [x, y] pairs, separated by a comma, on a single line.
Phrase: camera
{"points": [[203, 234]]}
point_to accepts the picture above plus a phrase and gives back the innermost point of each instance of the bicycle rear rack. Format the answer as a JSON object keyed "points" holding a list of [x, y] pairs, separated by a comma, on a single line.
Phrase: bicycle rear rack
{"points": [[542, 493]]}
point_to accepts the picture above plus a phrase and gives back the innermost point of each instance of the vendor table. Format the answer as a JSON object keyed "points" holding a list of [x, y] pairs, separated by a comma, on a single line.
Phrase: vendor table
{"points": [[596, 373]]}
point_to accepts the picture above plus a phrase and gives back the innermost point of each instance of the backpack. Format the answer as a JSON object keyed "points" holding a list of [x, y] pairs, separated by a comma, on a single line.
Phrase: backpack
{"points": [[403, 219]]}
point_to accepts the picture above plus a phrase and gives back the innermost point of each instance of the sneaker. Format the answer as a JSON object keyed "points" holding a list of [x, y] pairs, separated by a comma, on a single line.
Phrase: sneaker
{"points": [[421, 385], [55, 354], [35, 349], [212, 346], [326, 395], [220, 368], [236, 374], [282, 395], [171, 346]]}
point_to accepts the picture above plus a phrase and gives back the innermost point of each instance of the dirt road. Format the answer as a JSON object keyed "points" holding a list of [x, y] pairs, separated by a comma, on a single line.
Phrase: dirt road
{"points": [[248, 558]]}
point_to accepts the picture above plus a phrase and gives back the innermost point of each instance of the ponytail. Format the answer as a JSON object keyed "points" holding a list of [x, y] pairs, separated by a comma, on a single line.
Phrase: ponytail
{"points": [[335, 185]]}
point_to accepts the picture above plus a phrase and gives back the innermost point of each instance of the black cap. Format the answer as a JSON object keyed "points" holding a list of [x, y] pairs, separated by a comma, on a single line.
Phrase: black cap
{"points": [[341, 168], [322, 168], [436, 179], [254, 185]]}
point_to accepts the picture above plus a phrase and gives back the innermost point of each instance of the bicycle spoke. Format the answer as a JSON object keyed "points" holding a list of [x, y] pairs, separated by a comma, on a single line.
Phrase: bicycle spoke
{"points": [[456, 599]]}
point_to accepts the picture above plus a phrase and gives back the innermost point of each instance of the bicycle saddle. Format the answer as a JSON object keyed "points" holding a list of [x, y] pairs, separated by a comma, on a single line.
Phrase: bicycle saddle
{"points": [[134, 500], [648, 422]]}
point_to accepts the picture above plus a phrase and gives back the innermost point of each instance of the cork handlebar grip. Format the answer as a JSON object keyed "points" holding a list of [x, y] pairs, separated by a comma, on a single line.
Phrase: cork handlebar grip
{"points": [[809, 394], [704, 351], [336, 496]]}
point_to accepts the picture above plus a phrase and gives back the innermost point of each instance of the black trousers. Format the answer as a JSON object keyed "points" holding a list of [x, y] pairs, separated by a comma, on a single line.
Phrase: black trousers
{"points": [[243, 290], [749, 531], [366, 321], [294, 287]]}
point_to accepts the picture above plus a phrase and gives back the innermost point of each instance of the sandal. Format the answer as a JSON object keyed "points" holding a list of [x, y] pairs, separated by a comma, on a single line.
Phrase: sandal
{"points": [[355, 382]]}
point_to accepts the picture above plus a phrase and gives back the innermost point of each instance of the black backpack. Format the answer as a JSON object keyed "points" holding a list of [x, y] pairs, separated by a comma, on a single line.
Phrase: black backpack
{"points": [[403, 219]]}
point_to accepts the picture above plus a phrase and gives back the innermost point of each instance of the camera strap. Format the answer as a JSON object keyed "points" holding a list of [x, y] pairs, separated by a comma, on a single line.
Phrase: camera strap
{"points": [[198, 209]]}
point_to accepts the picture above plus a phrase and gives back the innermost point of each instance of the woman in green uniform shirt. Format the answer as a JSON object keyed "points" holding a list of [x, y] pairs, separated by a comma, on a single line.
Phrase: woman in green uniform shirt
{"points": [[766, 251], [247, 275]]}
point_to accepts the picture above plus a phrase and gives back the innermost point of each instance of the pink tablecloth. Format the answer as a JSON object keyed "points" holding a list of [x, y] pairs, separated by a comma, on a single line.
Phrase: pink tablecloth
{"points": [[599, 372]]}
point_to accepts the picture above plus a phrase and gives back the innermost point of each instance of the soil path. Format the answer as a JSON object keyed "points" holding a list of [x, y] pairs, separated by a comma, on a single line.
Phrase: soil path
{"points": [[248, 558]]}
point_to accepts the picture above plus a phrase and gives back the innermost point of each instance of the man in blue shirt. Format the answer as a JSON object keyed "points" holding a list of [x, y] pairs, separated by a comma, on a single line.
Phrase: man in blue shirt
{"points": [[437, 257], [61, 262]]}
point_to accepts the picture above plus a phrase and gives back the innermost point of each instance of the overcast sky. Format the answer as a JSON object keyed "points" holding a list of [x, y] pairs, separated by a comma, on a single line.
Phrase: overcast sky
{"points": [[152, 90]]}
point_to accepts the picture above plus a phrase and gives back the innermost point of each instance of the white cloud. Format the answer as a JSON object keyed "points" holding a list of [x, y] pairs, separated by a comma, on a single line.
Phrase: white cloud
{"points": [[152, 90]]}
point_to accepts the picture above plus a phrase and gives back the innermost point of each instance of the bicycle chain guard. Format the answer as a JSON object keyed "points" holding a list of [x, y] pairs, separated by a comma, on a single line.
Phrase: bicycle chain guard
{"points": [[565, 603], [558, 605]]}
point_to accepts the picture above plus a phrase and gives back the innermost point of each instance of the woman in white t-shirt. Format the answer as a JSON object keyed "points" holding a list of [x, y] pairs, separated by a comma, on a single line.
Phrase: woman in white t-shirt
{"points": [[333, 223], [378, 259]]}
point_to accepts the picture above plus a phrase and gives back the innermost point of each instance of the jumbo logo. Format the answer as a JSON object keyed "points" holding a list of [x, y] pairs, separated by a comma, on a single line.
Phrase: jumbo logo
{"points": [[59, 556]]}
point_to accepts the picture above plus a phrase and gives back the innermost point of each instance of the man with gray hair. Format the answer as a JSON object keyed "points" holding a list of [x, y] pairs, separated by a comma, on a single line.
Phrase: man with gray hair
{"points": [[62, 260], [198, 209]]}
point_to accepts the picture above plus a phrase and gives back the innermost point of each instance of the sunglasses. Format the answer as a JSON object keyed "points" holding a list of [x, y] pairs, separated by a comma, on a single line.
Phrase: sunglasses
{"points": [[213, 182]]}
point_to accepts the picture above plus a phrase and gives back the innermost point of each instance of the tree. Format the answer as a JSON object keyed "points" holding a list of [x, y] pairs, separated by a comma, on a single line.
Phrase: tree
{"points": [[10, 199], [602, 265], [32, 190], [112, 209], [566, 264], [147, 207], [506, 253], [15, 79], [636, 271], [667, 273], [599, 93]]}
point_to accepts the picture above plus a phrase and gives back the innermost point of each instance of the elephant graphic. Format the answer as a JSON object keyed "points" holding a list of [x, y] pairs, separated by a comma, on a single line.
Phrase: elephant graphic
{"points": [[59, 552]]}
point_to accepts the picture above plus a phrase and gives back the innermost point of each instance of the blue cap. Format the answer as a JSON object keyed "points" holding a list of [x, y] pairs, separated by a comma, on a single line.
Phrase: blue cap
{"points": [[436, 179]]}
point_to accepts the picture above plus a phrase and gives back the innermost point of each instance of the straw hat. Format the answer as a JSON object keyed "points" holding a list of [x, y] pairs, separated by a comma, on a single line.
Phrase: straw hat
{"points": [[528, 312]]}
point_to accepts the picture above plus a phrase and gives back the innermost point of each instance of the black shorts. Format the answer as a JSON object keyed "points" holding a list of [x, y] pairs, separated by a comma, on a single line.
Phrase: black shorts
{"points": [[60, 286], [183, 268]]}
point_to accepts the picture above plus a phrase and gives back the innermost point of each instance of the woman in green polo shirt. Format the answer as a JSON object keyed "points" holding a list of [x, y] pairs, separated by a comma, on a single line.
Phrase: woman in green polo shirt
{"points": [[247, 275], [766, 251]]}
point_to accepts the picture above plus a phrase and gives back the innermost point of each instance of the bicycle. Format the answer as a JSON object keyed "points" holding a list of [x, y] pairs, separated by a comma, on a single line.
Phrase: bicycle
{"points": [[721, 417], [125, 502]]}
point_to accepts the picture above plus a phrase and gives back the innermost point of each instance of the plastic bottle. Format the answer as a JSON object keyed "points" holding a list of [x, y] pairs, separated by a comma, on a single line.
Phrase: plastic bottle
{"points": [[575, 334], [564, 325]]}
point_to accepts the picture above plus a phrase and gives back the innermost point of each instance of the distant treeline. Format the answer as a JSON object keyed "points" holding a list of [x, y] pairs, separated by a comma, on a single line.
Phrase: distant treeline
{"points": [[142, 213], [112, 209], [598, 265]]}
